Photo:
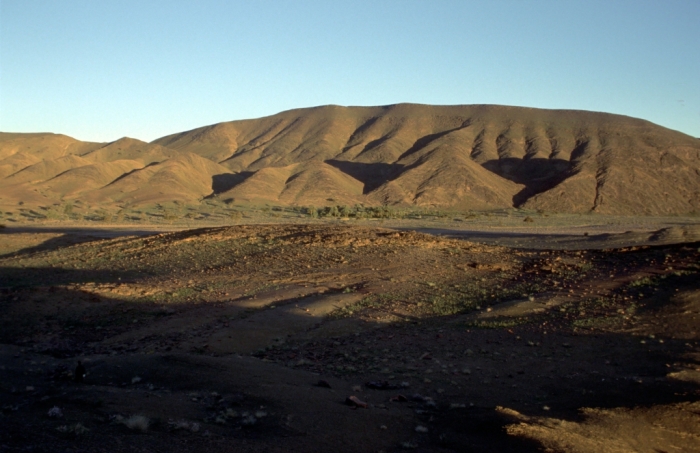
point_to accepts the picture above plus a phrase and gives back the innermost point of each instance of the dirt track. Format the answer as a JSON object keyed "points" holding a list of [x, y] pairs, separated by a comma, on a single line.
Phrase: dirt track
{"points": [[218, 337]]}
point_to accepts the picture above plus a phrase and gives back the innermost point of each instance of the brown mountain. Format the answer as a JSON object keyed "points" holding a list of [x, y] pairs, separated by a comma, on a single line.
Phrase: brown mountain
{"points": [[474, 157], [54, 168], [479, 156], [18, 151], [186, 177]]}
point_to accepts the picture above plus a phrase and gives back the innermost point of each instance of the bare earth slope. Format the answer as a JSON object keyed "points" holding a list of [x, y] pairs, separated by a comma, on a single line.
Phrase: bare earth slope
{"points": [[18, 151], [45, 169], [476, 156], [186, 177], [465, 157]]}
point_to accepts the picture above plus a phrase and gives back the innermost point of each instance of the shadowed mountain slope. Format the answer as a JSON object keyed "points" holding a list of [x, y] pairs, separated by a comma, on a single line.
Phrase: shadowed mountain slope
{"points": [[131, 149], [310, 183], [186, 177], [466, 157]]}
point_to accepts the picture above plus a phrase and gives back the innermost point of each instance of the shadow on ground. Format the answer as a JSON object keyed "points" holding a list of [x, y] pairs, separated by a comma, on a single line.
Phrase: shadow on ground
{"points": [[205, 379]]}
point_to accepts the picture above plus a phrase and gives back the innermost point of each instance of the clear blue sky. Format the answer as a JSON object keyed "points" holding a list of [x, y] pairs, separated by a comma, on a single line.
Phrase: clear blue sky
{"points": [[100, 70]]}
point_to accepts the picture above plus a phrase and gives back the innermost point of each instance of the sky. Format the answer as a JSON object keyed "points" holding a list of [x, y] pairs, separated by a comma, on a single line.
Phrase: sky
{"points": [[101, 70]]}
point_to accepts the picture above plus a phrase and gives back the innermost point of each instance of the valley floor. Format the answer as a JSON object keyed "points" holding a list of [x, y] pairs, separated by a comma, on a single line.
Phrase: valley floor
{"points": [[254, 338]]}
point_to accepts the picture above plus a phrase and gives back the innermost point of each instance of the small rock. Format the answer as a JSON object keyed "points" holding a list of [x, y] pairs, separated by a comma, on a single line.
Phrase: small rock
{"points": [[323, 383], [421, 429], [417, 398], [355, 402]]}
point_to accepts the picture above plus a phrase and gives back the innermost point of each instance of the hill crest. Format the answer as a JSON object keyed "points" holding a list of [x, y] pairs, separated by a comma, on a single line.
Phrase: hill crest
{"points": [[461, 156]]}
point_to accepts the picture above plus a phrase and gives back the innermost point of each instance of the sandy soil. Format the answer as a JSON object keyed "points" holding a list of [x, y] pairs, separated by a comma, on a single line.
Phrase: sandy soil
{"points": [[252, 338]]}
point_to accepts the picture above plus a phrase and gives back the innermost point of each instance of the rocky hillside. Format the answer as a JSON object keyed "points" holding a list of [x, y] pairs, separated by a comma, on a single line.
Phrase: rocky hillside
{"points": [[466, 157]]}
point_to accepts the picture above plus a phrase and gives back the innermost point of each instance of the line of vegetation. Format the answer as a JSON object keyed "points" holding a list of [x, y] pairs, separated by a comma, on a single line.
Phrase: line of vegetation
{"points": [[359, 211]]}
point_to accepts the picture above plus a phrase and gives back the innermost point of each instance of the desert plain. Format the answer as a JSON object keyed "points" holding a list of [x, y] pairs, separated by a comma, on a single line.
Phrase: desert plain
{"points": [[384, 298]]}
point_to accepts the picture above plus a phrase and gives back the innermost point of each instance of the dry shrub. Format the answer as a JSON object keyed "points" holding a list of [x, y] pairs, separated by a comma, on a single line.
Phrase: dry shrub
{"points": [[137, 422]]}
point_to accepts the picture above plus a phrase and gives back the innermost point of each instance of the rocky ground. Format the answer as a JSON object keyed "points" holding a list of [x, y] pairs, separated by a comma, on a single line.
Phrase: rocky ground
{"points": [[317, 337]]}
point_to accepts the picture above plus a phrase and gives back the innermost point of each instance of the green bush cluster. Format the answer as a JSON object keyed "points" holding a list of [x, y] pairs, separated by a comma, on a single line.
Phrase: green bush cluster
{"points": [[357, 211]]}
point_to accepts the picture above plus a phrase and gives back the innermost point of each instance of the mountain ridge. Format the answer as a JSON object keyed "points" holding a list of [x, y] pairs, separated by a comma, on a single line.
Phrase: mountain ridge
{"points": [[459, 156]]}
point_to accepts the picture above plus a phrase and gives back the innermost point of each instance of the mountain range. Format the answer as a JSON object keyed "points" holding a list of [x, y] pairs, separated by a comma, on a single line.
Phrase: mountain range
{"points": [[460, 157]]}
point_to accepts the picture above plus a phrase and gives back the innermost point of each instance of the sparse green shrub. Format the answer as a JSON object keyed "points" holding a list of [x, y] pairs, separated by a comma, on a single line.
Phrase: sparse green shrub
{"points": [[330, 211], [101, 215], [77, 429], [497, 323], [169, 215], [585, 267], [137, 423]]}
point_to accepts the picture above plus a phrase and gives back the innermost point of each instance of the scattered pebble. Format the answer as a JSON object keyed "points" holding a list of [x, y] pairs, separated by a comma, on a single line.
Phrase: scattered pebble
{"points": [[382, 385]]}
